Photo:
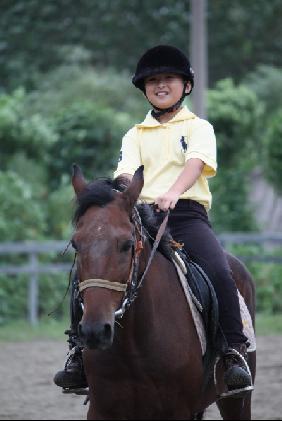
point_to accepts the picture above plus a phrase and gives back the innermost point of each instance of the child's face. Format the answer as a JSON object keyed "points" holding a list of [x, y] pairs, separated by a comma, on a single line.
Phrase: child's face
{"points": [[164, 89]]}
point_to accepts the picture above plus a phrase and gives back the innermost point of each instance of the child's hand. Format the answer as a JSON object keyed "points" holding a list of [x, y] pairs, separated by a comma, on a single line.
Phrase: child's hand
{"points": [[167, 201]]}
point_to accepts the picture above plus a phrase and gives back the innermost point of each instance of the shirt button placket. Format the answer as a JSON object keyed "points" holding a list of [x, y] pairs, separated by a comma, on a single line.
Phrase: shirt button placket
{"points": [[167, 141]]}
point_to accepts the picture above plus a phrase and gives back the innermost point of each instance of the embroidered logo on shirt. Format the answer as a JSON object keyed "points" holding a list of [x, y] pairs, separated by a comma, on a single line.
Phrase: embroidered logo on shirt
{"points": [[183, 144], [120, 156]]}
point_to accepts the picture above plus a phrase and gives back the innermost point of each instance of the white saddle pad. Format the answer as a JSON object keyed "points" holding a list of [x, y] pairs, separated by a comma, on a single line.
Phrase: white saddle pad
{"points": [[248, 328]]}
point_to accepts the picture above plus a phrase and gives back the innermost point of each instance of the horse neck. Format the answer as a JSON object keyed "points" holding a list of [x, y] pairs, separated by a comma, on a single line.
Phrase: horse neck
{"points": [[160, 299]]}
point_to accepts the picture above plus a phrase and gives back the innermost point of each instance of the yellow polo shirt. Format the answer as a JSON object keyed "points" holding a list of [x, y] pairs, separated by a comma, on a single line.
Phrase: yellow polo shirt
{"points": [[163, 149]]}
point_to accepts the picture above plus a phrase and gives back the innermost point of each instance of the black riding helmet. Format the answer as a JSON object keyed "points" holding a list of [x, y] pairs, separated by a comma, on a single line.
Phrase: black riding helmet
{"points": [[163, 59]]}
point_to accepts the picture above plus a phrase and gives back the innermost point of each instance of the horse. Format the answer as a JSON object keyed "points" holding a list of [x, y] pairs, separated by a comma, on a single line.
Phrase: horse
{"points": [[147, 364]]}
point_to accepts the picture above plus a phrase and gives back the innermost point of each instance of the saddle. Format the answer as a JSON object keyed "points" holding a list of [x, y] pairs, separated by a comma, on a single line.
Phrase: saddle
{"points": [[203, 296], [202, 300]]}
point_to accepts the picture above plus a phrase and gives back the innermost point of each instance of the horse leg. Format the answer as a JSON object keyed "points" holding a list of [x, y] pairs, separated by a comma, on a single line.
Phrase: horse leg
{"points": [[231, 408], [247, 409], [90, 413], [235, 409]]}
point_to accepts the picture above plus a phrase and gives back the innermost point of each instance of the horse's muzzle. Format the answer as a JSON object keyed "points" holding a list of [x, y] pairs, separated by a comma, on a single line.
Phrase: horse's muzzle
{"points": [[96, 335]]}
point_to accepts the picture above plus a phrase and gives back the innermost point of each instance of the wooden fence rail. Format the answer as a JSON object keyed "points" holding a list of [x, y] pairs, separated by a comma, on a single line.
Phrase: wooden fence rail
{"points": [[33, 267]]}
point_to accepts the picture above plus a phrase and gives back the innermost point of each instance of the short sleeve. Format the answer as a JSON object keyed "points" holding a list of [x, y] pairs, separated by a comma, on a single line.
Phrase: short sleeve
{"points": [[202, 145], [129, 158]]}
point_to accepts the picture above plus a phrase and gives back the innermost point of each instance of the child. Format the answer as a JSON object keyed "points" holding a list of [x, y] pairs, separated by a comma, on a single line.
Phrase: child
{"points": [[178, 151]]}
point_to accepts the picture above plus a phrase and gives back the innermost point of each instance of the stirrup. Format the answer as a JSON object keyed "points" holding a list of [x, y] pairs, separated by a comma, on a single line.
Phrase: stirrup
{"points": [[236, 393], [241, 391]]}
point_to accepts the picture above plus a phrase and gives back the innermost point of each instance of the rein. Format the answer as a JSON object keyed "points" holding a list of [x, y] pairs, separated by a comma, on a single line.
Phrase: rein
{"points": [[132, 286]]}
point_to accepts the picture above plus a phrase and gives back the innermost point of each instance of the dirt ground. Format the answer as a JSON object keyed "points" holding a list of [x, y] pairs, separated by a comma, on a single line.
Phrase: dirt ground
{"points": [[27, 391]]}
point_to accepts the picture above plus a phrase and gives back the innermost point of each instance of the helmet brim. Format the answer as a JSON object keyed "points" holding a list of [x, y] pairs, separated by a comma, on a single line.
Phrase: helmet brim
{"points": [[139, 80]]}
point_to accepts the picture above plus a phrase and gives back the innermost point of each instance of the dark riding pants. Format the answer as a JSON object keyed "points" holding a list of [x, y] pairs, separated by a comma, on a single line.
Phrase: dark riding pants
{"points": [[189, 224]]}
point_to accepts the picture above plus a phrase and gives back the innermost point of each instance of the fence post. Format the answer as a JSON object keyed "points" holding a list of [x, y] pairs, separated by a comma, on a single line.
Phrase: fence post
{"points": [[33, 291]]}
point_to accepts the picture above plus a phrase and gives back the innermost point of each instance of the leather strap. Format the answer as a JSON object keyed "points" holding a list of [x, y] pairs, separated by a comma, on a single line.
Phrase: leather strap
{"points": [[102, 283]]}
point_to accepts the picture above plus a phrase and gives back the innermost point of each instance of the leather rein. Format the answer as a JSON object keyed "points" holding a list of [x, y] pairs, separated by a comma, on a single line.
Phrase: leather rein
{"points": [[133, 284]]}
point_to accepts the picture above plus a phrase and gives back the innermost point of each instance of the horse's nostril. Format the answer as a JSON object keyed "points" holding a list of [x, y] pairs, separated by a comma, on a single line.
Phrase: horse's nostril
{"points": [[95, 331], [96, 335]]}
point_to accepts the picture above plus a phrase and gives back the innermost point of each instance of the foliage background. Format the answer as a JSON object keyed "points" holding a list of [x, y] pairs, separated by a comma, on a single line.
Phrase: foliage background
{"points": [[66, 96]]}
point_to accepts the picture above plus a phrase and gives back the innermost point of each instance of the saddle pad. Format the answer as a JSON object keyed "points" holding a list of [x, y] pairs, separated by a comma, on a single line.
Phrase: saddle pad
{"points": [[197, 318], [248, 328]]}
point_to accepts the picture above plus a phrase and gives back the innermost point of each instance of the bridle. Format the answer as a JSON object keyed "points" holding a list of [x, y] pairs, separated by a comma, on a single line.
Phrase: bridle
{"points": [[133, 284]]}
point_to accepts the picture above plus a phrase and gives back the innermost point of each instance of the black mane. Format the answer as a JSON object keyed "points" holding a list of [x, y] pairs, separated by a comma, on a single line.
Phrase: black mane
{"points": [[97, 193], [101, 192]]}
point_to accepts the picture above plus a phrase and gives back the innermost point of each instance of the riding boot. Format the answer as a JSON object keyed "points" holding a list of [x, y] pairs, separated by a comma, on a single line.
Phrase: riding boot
{"points": [[72, 377], [237, 375]]}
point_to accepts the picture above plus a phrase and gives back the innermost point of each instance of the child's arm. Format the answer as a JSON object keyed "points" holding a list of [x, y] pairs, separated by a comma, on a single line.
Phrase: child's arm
{"points": [[187, 178], [130, 158]]}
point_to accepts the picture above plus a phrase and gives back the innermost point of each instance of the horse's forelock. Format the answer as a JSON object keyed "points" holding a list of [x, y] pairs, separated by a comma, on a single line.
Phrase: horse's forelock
{"points": [[97, 193], [102, 192]]}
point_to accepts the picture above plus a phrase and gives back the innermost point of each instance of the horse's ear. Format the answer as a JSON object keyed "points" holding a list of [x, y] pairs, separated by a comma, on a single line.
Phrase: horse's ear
{"points": [[78, 181], [131, 194]]}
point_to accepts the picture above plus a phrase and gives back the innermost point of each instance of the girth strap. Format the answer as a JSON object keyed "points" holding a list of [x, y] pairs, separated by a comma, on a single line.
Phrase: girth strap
{"points": [[102, 283]]}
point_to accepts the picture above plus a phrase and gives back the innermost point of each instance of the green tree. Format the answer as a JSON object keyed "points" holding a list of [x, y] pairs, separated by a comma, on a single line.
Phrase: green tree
{"points": [[231, 209], [59, 210], [115, 33], [273, 151], [243, 34], [21, 215], [88, 136], [235, 112], [74, 83], [30, 135], [266, 82]]}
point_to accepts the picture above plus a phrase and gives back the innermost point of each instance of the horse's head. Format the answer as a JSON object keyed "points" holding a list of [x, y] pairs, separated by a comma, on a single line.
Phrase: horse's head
{"points": [[104, 240]]}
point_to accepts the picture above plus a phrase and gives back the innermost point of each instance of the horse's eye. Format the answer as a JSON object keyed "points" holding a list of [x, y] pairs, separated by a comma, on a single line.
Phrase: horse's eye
{"points": [[127, 245]]}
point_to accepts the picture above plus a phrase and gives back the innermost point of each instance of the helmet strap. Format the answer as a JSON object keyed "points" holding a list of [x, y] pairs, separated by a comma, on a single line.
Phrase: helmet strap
{"points": [[158, 112]]}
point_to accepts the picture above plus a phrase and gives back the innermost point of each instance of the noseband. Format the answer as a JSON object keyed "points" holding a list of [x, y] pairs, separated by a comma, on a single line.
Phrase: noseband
{"points": [[133, 284]]}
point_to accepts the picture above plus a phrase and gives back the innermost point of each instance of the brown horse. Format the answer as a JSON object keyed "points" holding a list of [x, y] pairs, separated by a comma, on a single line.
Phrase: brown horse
{"points": [[149, 365]]}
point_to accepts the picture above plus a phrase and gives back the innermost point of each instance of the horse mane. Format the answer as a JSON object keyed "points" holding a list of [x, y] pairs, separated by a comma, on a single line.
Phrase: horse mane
{"points": [[101, 192]]}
